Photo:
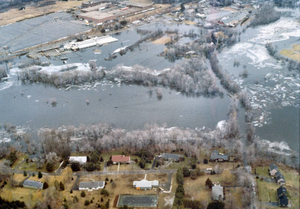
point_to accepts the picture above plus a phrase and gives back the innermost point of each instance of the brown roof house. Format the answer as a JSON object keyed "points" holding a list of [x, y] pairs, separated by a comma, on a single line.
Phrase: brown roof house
{"points": [[273, 169], [120, 159]]}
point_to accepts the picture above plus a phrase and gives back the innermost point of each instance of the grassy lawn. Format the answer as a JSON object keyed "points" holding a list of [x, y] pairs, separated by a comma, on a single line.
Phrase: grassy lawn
{"points": [[262, 171], [21, 157], [267, 191], [31, 166]]}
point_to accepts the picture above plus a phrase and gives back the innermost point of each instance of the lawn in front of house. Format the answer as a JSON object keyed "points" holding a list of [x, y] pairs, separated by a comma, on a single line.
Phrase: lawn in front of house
{"points": [[262, 171], [267, 191]]}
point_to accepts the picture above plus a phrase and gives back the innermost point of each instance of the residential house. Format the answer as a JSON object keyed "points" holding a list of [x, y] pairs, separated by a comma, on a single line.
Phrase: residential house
{"points": [[145, 184], [216, 156], [283, 200], [90, 186], [170, 157], [217, 192], [273, 169], [120, 159], [33, 184], [279, 178], [78, 159]]}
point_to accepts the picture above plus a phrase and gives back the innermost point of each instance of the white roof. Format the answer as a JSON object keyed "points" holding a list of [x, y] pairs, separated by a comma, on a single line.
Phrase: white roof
{"points": [[145, 183], [217, 191], [79, 159]]}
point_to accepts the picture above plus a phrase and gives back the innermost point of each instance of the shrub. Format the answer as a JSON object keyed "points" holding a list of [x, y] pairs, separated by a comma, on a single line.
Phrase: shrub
{"points": [[208, 183], [61, 186], [82, 194], [33, 174], [205, 161], [86, 203], [45, 185], [40, 175], [25, 173], [49, 167], [104, 192], [75, 166]]}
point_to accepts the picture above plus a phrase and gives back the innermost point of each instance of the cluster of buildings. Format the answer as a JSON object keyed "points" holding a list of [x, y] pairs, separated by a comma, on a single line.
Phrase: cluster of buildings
{"points": [[105, 11], [281, 191]]}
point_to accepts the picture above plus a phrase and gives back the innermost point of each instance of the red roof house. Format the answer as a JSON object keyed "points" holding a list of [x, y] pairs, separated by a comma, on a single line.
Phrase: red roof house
{"points": [[120, 159]]}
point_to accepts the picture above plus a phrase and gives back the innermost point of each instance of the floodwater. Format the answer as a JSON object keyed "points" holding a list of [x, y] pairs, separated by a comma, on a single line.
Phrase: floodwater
{"points": [[125, 106], [274, 91], [131, 106]]}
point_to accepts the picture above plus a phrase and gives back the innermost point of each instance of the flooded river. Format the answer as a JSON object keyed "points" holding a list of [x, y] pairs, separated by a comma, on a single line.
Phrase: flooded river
{"points": [[131, 106]]}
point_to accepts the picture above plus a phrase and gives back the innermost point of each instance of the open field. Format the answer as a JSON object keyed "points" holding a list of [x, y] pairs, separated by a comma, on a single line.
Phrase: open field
{"points": [[262, 171], [266, 191], [293, 53], [31, 166], [14, 15], [195, 189]]}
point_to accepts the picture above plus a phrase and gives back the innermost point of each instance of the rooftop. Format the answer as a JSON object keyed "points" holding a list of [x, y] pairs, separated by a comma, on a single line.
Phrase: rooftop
{"points": [[33, 184], [80, 159], [120, 158], [168, 156], [145, 183], [92, 185]]}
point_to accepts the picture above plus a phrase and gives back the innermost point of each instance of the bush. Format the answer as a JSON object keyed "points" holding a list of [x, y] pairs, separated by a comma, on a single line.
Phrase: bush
{"points": [[45, 185], [49, 167], [186, 172], [75, 166], [86, 203], [40, 175], [216, 205], [75, 198], [82, 194], [205, 161], [90, 166], [12, 157], [104, 192], [123, 22], [25, 173], [61, 186], [208, 183]]}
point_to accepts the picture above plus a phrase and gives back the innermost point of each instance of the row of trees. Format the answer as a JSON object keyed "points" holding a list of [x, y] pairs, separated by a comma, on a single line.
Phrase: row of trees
{"points": [[61, 79], [190, 77], [265, 15]]}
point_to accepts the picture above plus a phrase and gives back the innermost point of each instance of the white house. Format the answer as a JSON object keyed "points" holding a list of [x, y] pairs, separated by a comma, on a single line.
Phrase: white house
{"points": [[79, 159], [217, 192], [90, 186], [145, 184]]}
